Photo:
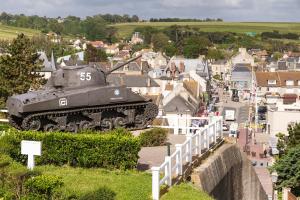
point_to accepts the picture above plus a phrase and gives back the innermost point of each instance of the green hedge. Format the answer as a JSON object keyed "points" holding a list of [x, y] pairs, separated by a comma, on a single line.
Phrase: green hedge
{"points": [[43, 186], [84, 150], [154, 137]]}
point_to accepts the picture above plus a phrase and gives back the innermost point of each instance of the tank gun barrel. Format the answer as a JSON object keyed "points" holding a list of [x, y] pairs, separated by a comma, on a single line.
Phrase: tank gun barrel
{"points": [[118, 66]]}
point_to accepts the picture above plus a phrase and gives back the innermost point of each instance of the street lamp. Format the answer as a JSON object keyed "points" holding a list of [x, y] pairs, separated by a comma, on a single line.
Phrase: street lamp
{"points": [[274, 177]]}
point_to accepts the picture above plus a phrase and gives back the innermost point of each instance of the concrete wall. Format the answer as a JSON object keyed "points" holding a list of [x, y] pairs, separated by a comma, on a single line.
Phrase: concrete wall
{"points": [[229, 175]]}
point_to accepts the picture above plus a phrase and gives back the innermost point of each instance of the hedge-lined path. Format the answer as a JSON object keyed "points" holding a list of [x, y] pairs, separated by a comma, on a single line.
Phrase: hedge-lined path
{"points": [[154, 156]]}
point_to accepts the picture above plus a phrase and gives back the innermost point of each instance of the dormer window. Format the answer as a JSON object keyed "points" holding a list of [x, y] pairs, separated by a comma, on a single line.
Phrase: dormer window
{"points": [[289, 82], [271, 82]]}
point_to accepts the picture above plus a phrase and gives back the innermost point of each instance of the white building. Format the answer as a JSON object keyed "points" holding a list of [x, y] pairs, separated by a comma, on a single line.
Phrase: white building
{"points": [[243, 57], [280, 117]]}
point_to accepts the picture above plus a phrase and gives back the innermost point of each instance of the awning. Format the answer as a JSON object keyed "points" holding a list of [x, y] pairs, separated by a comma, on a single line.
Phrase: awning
{"points": [[290, 96]]}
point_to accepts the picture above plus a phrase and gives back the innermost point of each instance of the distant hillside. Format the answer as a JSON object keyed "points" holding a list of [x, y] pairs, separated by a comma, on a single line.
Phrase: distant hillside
{"points": [[125, 29], [10, 32]]}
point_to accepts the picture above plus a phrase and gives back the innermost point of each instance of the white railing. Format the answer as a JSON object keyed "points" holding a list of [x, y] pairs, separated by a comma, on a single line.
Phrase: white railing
{"points": [[194, 145], [3, 111]]}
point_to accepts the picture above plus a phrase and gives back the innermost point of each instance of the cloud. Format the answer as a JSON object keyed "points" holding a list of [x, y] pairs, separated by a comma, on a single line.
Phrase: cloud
{"points": [[230, 10]]}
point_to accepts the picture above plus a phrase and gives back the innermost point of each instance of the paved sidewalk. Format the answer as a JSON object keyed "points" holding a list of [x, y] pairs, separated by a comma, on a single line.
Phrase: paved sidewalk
{"points": [[154, 156]]}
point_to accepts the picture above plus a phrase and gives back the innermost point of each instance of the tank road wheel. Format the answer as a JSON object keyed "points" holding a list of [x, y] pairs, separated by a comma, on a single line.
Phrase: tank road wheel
{"points": [[119, 122], [106, 124], [140, 122], [85, 125], [72, 127], [51, 128], [34, 125]]}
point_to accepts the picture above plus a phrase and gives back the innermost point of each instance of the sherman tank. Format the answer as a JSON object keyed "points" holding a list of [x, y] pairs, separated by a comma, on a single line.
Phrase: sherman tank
{"points": [[76, 98]]}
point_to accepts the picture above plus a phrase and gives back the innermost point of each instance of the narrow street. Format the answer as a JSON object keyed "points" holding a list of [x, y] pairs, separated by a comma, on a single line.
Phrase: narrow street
{"points": [[252, 142]]}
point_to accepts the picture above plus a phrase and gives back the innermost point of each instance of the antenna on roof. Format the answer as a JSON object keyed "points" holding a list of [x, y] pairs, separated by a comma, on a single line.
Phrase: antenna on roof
{"points": [[53, 61]]}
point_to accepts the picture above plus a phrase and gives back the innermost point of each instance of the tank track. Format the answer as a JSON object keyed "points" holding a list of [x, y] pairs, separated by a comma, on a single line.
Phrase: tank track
{"points": [[14, 122], [147, 111]]}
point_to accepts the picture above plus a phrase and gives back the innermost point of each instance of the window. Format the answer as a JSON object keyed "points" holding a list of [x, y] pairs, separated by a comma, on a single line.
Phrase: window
{"points": [[273, 89], [289, 82], [289, 91], [298, 82], [271, 82]]}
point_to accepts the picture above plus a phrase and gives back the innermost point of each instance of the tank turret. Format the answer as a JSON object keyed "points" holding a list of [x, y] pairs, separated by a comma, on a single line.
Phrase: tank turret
{"points": [[77, 98]]}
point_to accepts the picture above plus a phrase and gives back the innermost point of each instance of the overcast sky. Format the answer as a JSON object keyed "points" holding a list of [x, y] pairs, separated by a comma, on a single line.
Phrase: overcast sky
{"points": [[229, 10]]}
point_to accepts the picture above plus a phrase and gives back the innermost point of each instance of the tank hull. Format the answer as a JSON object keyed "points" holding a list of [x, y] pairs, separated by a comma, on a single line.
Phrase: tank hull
{"points": [[100, 108]]}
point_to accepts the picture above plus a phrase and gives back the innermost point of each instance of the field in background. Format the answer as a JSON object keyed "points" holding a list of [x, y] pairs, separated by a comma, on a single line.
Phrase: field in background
{"points": [[10, 32], [125, 29]]}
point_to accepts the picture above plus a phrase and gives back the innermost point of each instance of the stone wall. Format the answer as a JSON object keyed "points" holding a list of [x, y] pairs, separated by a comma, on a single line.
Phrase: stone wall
{"points": [[228, 175]]}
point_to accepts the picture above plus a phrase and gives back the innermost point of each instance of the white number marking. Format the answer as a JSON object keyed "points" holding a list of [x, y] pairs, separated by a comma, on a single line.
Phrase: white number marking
{"points": [[85, 76]]}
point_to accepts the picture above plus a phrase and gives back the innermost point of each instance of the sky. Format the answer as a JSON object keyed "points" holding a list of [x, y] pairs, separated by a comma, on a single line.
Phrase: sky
{"points": [[228, 10]]}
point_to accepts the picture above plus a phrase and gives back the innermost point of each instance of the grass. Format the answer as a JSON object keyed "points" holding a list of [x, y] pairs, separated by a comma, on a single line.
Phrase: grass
{"points": [[11, 32], [185, 191], [128, 185], [125, 29], [4, 126]]}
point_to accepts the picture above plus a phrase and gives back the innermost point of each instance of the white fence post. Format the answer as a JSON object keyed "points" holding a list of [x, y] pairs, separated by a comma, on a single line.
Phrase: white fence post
{"points": [[168, 170], [190, 148], [200, 142], [197, 143], [155, 183], [179, 161], [215, 130], [206, 128]]}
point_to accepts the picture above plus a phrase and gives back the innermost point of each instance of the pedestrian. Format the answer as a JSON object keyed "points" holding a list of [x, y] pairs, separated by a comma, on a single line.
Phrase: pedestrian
{"points": [[265, 153]]}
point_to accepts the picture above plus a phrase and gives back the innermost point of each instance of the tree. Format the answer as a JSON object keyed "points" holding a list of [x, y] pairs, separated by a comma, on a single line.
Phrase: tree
{"points": [[170, 50], [294, 135], [147, 32], [277, 55], [93, 54], [214, 54], [160, 41], [281, 143], [288, 169], [195, 46], [135, 18], [94, 28], [18, 69]]}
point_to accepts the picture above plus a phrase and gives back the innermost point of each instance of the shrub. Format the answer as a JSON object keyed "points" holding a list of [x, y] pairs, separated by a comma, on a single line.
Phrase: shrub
{"points": [[102, 193], [154, 137], [117, 131], [43, 186], [13, 176], [83, 150]]}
